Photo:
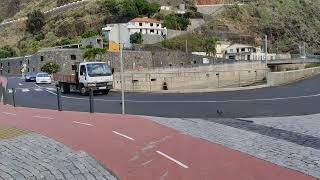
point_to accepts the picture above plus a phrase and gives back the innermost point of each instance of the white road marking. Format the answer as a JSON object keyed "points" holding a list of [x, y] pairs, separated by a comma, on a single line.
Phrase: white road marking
{"points": [[125, 136], [42, 117], [172, 159], [146, 163], [25, 90], [38, 89], [10, 91], [7, 113], [20, 84], [82, 123], [51, 89]]}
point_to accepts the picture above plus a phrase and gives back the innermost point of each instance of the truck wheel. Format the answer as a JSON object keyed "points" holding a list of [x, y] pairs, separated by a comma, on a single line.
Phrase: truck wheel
{"points": [[106, 92], [65, 88], [83, 90]]}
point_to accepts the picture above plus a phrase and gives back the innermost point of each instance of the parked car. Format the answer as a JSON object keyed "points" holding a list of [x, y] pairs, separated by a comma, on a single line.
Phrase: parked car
{"points": [[43, 78], [30, 76]]}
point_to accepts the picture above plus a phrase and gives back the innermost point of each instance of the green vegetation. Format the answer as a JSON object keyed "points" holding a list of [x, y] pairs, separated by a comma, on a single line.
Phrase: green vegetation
{"points": [[93, 53], [7, 51], [89, 34], [68, 41], [63, 2], [136, 38], [35, 22], [131, 8], [286, 22], [196, 43], [312, 65], [176, 21], [50, 67]]}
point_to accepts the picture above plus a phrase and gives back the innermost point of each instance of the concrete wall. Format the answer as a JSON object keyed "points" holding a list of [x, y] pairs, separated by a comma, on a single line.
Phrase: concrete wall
{"points": [[151, 39], [174, 33], [214, 76], [280, 78]]}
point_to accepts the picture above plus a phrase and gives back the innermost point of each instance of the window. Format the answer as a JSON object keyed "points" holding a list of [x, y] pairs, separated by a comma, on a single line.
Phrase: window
{"points": [[83, 70], [8, 70], [28, 70], [8, 63], [151, 30], [28, 61], [73, 57], [140, 24], [151, 24], [41, 58], [231, 50], [243, 49], [237, 50], [20, 63], [158, 25], [1, 65], [140, 30]]}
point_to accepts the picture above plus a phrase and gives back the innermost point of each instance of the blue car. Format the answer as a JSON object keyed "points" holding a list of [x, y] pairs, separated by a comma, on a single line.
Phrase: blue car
{"points": [[30, 77]]}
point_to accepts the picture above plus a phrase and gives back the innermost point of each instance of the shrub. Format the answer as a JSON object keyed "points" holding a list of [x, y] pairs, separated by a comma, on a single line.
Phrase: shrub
{"points": [[50, 67], [35, 22], [89, 34], [136, 38], [176, 21], [7, 51]]}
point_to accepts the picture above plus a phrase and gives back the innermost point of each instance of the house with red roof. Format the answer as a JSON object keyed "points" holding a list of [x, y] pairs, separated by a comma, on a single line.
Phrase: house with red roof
{"points": [[151, 29]]}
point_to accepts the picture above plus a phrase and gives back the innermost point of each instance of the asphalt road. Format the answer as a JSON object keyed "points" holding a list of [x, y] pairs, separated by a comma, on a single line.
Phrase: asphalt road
{"points": [[300, 98]]}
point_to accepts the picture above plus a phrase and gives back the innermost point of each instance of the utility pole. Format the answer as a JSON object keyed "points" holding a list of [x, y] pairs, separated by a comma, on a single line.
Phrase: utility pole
{"points": [[266, 50], [304, 50], [186, 46], [121, 73]]}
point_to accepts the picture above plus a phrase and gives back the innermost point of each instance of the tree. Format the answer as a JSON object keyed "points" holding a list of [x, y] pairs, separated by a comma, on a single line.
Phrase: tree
{"points": [[93, 53], [136, 38], [210, 45], [112, 6], [35, 22], [50, 67], [7, 51], [129, 9]]}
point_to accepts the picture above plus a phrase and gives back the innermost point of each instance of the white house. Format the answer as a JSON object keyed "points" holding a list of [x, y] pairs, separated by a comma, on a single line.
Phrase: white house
{"points": [[146, 26], [242, 52]]}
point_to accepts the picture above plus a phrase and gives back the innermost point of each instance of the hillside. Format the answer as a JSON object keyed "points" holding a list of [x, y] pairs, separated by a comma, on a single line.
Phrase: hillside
{"points": [[287, 23]]}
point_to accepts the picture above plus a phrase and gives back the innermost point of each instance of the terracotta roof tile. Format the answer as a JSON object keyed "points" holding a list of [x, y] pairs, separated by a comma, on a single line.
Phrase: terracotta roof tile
{"points": [[145, 19]]}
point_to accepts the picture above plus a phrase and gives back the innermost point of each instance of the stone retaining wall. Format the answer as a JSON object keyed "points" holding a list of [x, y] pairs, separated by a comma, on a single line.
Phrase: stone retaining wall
{"points": [[280, 78]]}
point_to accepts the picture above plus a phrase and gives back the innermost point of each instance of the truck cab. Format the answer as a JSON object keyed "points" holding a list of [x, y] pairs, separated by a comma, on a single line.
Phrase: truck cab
{"points": [[94, 75]]}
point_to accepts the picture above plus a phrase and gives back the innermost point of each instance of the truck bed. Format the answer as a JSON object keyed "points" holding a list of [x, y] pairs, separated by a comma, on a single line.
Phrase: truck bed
{"points": [[66, 78]]}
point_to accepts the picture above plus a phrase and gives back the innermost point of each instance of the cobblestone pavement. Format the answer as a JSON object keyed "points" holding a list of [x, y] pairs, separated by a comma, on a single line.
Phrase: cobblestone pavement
{"points": [[33, 156], [253, 140], [309, 125]]}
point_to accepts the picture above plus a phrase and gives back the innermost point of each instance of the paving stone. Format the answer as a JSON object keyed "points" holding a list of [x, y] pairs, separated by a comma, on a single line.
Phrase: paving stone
{"points": [[32, 156]]}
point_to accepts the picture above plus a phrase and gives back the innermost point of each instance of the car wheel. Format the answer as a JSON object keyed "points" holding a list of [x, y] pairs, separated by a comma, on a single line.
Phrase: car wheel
{"points": [[106, 92]]}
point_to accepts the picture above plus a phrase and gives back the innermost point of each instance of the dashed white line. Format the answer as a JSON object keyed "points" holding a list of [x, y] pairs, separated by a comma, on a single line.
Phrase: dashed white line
{"points": [[7, 113], [42, 117], [20, 84], [82, 123], [172, 159], [38, 89], [25, 90], [125, 136], [51, 89]]}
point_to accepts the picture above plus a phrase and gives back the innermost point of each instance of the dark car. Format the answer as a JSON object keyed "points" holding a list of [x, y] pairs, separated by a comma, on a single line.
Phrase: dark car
{"points": [[30, 76]]}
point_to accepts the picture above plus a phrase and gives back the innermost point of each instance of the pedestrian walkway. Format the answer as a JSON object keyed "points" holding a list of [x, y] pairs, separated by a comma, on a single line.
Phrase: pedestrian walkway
{"points": [[136, 148], [27, 155]]}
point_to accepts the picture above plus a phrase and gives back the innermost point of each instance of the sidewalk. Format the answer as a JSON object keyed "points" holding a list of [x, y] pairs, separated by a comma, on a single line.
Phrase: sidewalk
{"points": [[136, 148], [27, 155]]}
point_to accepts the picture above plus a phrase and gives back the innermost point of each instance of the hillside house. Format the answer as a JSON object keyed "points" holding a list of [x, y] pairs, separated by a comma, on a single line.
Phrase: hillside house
{"points": [[152, 31]]}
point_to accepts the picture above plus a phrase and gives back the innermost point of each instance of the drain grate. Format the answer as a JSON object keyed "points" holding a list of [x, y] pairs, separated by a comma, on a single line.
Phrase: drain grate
{"points": [[7, 132]]}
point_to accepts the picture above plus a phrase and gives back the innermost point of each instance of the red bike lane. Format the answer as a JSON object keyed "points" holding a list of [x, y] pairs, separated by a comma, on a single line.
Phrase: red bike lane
{"points": [[135, 148]]}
